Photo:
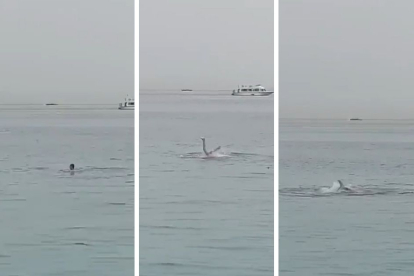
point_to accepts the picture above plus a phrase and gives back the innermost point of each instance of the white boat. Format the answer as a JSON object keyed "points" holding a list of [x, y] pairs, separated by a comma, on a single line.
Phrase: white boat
{"points": [[251, 90], [128, 104]]}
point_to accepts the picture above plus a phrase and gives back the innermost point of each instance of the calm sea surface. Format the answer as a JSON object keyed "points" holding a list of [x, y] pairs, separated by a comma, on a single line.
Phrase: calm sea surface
{"points": [[206, 216], [366, 231], [57, 223]]}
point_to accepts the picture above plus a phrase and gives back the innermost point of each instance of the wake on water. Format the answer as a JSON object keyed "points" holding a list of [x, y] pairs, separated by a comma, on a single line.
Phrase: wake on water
{"points": [[199, 155], [346, 190], [218, 153]]}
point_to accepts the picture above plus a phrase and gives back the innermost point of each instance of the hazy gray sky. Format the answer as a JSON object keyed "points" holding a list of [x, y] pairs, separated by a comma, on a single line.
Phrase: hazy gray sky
{"points": [[346, 58], [206, 44], [66, 51]]}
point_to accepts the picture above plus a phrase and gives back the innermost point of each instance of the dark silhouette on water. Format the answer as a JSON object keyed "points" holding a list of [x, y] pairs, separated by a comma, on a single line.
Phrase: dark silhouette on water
{"points": [[72, 167], [208, 153]]}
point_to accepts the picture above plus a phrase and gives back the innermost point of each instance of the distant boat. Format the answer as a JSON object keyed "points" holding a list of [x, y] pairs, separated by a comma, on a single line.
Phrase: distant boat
{"points": [[128, 104], [251, 90], [51, 104], [355, 119], [186, 90]]}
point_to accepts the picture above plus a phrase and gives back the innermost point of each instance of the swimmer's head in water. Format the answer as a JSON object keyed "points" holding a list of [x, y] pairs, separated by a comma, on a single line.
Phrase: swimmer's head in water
{"points": [[72, 167]]}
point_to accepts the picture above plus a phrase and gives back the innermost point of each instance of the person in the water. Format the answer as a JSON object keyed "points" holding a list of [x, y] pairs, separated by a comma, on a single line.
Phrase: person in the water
{"points": [[72, 167]]}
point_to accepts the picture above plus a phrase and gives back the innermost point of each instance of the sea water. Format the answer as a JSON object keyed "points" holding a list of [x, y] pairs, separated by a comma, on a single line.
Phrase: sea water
{"points": [[54, 222], [206, 216], [368, 232]]}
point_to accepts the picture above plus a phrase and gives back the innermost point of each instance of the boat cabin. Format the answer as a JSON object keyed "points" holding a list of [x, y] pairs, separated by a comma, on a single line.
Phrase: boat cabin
{"points": [[252, 88]]}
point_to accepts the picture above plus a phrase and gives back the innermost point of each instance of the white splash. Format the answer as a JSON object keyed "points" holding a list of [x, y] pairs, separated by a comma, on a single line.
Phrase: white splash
{"points": [[336, 187]]}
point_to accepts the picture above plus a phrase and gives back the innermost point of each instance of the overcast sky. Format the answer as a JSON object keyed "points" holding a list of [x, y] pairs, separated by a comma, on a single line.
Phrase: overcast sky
{"points": [[347, 58], [206, 44], [66, 51]]}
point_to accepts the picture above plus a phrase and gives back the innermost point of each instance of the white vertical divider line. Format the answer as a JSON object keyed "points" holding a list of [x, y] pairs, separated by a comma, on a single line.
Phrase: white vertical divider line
{"points": [[136, 137], [276, 137]]}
